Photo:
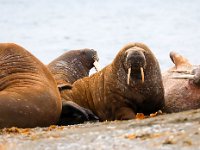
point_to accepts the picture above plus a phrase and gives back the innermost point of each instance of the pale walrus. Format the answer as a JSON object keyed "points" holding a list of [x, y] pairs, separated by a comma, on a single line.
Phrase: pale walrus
{"points": [[182, 85], [28, 93], [132, 83]]}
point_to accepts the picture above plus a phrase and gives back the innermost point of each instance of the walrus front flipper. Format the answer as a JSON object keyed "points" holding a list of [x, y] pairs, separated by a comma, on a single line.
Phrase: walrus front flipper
{"points": [[72, 113]]}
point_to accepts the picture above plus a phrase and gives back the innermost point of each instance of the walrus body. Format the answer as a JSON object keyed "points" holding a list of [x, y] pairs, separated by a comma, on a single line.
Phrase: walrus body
{"points": [[66, 69], [181, 94], [73, 65], [131, 83], [28, 93]]}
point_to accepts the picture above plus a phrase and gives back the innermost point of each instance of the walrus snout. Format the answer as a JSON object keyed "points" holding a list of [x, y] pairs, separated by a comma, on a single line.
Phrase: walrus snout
{"points": [[96, 61], [135, 62], [92, 54]]}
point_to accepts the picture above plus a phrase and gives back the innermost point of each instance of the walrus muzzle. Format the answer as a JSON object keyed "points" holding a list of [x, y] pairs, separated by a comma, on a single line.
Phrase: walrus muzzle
{"points": [[129, 73], [135, 61]]}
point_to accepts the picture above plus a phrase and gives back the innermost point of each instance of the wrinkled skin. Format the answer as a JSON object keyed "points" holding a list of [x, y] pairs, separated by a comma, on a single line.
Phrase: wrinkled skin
{"points": [[181, 94], [66, 69], [73, 65], [111, 96], [28, 93]]}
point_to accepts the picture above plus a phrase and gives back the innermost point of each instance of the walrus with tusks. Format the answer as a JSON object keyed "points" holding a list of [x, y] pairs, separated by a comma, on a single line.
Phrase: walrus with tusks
{"points": [[73, 65], [28, 92], [182, 85], [66, 69], [132, 83]]}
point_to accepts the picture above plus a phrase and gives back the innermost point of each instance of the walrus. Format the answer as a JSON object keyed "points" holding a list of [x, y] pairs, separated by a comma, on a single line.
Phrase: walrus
{"points": [[182, 85], [29, 96], [73, 65], [132, 83], [66, 69]]}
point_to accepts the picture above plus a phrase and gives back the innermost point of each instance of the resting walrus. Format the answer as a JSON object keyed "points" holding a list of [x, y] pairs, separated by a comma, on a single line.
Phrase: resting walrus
{"points": [[66, 69], [73, 65], [181, 93], [28, 93], [132, 83]]}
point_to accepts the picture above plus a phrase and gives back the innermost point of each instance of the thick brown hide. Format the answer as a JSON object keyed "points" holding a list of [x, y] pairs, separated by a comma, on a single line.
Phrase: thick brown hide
{"points": [[73, 65], [107, 93], [66, 69], [180, 94], [28, 93]]}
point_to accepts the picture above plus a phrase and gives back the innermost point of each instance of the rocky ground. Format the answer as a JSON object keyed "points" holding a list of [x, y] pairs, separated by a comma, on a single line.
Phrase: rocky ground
{"points": [[165, 132]]}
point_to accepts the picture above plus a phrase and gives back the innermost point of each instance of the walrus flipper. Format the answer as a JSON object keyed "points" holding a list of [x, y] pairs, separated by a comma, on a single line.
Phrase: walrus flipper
{"points": [[179, 60], [72, 113]]}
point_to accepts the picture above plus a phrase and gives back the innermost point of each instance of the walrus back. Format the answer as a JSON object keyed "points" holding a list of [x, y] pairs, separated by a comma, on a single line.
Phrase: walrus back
{"points": [[27, 90]]}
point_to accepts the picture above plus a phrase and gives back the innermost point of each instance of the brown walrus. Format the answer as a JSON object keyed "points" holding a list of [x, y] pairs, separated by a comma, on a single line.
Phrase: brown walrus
{"points": [[182, 85], [66, 69], [132, 83], [73, 65], [28, 93]]}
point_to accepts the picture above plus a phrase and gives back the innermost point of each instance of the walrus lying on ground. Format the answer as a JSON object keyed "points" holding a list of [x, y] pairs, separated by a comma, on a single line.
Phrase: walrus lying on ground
{"points": [[28, 93], [182, 90], [66, 69], [132, 83]]}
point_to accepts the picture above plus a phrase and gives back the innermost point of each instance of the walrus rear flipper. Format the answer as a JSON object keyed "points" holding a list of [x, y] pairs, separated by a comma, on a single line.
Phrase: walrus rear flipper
{"points": [[72, 113], [179, 60]]}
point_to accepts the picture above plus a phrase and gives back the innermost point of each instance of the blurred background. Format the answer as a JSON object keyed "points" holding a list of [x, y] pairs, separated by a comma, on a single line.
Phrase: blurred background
{"points": [[48, 28]]}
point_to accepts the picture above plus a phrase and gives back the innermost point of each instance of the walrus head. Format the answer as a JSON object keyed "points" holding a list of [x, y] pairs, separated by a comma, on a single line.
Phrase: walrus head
{"points": [[90, 55], [135, 63]]}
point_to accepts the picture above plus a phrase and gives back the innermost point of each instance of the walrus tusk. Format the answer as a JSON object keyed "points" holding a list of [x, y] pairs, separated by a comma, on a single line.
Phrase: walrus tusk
{"points": [[187, 76], [128, 75], [181, 71], [142, 74], [96, 66]]}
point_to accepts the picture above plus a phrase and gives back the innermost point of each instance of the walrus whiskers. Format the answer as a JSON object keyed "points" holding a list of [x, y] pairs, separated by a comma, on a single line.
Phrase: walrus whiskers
{"points": [[96, 66], [142, 74], [128, 75]]}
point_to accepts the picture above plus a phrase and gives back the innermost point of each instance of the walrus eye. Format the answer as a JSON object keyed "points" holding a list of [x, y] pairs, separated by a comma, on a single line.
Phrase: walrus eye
{"points": [[96, 66]]}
